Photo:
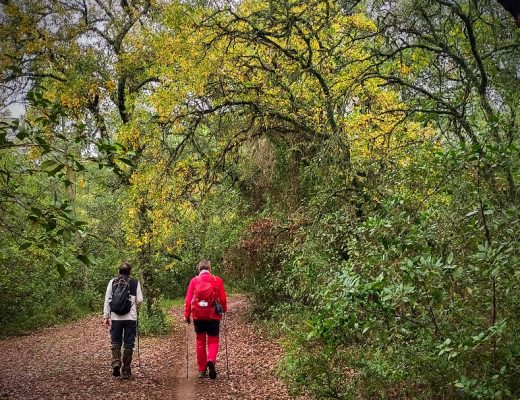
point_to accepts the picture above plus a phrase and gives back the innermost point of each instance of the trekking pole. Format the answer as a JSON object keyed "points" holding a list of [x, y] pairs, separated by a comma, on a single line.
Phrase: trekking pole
{"points": [[186, 339], [138, 351], [225, 345]]}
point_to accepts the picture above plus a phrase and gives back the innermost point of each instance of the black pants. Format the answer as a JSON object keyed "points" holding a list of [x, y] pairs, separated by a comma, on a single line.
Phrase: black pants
{"points": [[123, 332], [211, 327]]}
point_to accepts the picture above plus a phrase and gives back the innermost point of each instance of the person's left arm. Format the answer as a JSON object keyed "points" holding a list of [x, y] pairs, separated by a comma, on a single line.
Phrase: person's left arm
{"points": [[138, 294], [222, 296]]}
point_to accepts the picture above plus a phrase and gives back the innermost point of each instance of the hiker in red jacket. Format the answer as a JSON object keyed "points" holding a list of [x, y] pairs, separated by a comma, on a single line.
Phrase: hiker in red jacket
{"points": [[205, 303]]}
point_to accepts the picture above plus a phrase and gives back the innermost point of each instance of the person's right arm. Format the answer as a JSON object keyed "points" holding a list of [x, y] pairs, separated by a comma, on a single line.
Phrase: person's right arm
{"points": [[187, 301], [106, 306]]}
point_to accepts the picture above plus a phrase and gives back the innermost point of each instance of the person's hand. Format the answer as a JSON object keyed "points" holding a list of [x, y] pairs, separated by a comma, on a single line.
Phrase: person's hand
{"points": [[187, 320], [106, 322]]}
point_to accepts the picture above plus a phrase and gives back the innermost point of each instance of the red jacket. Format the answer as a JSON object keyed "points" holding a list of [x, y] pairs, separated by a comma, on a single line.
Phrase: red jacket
{"points": [[216, 282]]}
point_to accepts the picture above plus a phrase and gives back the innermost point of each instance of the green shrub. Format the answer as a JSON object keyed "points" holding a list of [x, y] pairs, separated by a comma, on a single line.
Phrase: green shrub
{"points": [[156, 323]]}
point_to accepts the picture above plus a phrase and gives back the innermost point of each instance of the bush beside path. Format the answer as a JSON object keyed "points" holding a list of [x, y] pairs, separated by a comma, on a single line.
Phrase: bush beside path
{"points": [[72, 362]]}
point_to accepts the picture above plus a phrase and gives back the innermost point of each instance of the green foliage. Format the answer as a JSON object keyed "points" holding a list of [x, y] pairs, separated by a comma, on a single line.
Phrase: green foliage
{"points": [[406, 301], [39, 296], [50, 274], [153, 324], [161, 322]]}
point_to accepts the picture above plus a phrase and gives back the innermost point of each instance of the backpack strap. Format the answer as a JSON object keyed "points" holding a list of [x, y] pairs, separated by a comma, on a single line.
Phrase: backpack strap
{"points": [[196, 281], [132, 283], [215, 288], [116, 280]]}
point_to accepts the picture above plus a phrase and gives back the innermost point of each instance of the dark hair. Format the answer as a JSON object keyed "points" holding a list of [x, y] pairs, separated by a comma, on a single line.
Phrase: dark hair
{"points": [[204, 264], [125, 268]]}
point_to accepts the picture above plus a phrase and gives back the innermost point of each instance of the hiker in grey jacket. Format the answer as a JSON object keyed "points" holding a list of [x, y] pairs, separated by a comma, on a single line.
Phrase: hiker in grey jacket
{"points": [[124, 323]]}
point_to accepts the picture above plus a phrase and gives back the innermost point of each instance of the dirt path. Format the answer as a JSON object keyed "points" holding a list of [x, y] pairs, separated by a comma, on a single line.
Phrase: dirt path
{"points": [[72, 362]]}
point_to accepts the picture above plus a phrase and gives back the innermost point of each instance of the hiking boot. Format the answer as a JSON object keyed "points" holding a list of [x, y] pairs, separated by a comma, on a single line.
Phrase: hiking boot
{"points": [[212, 370], [116, 360], [127, 362], [201, 374]]}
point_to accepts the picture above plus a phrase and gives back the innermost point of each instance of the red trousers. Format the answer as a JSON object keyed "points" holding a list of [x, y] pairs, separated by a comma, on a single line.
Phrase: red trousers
{"points": [[204, 356]]}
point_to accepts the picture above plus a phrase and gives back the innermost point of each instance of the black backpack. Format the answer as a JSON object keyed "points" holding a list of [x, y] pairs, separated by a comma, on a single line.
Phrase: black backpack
{"points": [[121, 302]]}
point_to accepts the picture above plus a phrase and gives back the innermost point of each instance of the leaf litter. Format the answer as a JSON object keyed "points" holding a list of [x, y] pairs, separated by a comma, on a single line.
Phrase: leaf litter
{"points": [[72, 361]]}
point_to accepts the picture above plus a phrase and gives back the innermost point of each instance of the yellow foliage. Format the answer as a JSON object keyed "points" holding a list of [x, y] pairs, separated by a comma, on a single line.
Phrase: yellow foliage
{"points": [[405, 69], [361, 22]]}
